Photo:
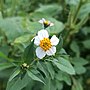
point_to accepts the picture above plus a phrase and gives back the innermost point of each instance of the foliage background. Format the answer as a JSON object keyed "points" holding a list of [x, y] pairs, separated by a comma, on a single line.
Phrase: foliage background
{"points": [[18, 18]]}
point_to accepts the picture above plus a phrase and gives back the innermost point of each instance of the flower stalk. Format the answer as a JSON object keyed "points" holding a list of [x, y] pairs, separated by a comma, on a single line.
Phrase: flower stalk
{"points": [[71, 25]]}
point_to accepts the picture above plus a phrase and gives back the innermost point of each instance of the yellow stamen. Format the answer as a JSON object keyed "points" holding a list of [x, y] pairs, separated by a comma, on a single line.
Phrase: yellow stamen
{"points": [[45, 44], [46, 22]]}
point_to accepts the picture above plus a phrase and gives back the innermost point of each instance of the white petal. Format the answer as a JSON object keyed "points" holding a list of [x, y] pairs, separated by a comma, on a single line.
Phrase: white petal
{"points": [[43, 19], [37, 40], [32, 39], [40, 21], [40, 53], [54, 40], [43, 34], [51, 51], [51, 24]]}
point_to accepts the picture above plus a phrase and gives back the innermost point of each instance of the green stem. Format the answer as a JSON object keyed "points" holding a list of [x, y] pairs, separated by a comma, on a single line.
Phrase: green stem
{"points": [[66, 38], [68, 27], [1, 7], [82, 22], [14, 2], [33, 61], [71, 23], [77, 11]]}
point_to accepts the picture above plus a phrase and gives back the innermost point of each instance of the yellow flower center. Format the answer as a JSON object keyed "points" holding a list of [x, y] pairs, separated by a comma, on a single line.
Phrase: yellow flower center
{"points": [[46, 22], [45, 44]]}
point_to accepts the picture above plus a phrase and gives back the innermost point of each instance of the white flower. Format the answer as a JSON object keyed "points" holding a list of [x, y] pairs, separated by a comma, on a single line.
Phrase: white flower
{"points": [[46, 45], [46, 23]]}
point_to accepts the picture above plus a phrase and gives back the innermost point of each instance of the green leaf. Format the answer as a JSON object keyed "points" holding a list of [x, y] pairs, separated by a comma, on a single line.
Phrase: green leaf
{"points": [[72, 2], [57, 28], [4, 66], [48, 84], [59, 85], [2, 55], [62, 51], [52, 84], [76, 85], [84, 11], [11, 27], [79, 69], [28, 55], [15, 73], [36, 16], [49, 9], [64, 65], [34, 77], [4, 50], [60, 44], [23, 39], [50, 69], [62, 76], [79, 61], [86, 30], [40, 66], [86, 44], [5, 73], [17, 27], [75, 48], [18, 83]]}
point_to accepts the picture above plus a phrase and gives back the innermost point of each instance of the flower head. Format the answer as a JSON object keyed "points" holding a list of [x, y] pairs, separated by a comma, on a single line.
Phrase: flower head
{"points": [[46, 23], [46, 45], [25, 66]]}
